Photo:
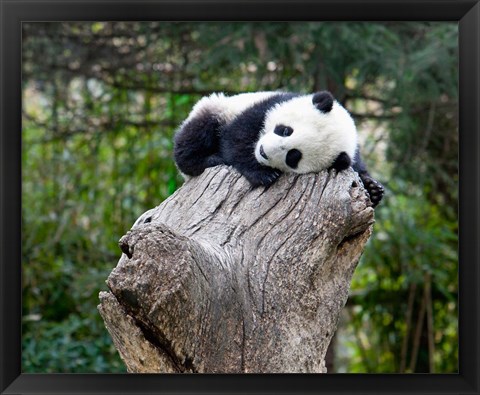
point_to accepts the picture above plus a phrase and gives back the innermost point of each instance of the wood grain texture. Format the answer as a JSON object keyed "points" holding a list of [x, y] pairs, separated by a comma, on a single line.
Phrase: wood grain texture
{"points": [[226, 278]]}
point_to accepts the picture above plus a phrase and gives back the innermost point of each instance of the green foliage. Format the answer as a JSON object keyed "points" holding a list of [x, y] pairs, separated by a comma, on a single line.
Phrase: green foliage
{"points": [[413, 245], [101, 102], [74, 345]]}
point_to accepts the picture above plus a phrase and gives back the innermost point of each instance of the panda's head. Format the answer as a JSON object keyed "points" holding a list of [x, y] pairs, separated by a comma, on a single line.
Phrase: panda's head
{"points": [[306, 134]]}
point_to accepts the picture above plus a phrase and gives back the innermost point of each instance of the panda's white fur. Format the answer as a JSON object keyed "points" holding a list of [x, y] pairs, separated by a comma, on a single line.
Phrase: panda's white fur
{"points": [[319, 136], [227, 108]]}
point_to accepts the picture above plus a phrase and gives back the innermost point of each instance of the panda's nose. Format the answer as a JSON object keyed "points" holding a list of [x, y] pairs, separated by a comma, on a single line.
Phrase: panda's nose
{"points": [[262, 152]]}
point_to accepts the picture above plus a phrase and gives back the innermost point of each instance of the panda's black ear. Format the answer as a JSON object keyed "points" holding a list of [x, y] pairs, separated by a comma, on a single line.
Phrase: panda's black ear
{"points": [[323, 101]]}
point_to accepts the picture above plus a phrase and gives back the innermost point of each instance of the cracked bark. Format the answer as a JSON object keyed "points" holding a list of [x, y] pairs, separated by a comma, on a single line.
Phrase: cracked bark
{"points": [[224, 278]]}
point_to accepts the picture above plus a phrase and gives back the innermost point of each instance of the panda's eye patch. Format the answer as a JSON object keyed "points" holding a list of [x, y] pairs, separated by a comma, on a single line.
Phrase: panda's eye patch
{"points": [[283, 130]]}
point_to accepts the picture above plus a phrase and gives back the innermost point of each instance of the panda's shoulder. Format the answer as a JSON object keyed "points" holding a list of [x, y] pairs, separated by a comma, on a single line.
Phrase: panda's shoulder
{"points": [[261, 107]]}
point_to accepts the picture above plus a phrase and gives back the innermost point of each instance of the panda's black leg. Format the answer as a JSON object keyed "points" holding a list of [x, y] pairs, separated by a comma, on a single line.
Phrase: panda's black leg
{"points": [[197, 144], [373, 187], [214, 160]]}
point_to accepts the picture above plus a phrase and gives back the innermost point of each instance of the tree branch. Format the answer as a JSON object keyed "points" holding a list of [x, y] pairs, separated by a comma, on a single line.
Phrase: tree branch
{"points": [[224, 278]]}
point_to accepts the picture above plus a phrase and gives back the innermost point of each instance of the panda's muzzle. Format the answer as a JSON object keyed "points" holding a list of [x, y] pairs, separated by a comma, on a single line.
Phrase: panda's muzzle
{"points": [[262, 152]]}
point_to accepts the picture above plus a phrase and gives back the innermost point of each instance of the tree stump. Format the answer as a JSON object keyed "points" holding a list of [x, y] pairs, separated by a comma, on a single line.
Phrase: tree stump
{"points": [[228, 279]]}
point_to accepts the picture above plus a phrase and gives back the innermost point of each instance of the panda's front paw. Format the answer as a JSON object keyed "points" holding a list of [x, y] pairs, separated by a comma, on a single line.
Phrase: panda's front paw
{"points": [[374, 189], [264, 178], [272, 177]]}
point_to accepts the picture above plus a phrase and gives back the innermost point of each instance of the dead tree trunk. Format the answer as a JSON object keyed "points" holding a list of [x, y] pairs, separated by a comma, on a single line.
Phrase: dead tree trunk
{"points": [[224, 278]]}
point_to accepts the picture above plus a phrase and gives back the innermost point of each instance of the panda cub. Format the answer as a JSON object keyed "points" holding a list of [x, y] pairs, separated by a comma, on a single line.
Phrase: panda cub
{"points": [[266, 133]]}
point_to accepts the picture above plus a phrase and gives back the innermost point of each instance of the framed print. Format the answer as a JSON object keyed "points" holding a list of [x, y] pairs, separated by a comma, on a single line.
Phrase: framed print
{"points": [[108, 107]]}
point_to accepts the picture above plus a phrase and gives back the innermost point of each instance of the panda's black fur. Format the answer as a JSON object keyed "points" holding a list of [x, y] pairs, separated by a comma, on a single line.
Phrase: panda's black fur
{"points": [[205, 140]]}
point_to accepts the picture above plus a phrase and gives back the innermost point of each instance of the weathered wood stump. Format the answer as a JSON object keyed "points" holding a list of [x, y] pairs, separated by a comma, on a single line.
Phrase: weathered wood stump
{"points": [[225, 278]]}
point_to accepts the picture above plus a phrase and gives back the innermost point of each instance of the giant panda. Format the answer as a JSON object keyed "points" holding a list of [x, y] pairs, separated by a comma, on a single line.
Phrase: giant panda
{"points": [[263, 134]]}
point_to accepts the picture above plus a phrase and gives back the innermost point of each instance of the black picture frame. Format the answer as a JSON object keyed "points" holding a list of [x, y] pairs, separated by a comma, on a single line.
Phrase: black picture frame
{"points": [[14, 12]]}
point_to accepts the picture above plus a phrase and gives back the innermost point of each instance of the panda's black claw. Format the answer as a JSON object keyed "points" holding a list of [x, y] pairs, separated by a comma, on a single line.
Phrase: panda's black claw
{"points": [[264, 178], [272, 177]]}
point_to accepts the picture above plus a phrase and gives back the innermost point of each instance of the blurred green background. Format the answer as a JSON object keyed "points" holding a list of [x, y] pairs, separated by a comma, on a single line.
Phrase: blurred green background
{"points": [[101, 102]]}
